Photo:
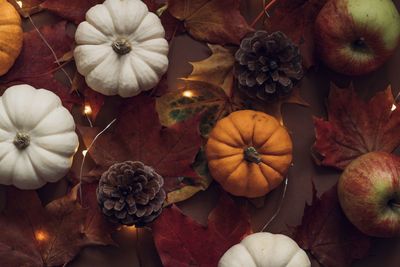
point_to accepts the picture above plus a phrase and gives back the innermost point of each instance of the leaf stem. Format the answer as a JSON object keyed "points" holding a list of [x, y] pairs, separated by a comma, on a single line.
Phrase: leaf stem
{"points": [[263, 12]]}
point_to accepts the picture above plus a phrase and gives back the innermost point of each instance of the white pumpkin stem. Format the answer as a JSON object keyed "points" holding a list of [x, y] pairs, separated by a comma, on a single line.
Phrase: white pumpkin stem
{"points": [[22, 141], [122, 46], [251, 155]]}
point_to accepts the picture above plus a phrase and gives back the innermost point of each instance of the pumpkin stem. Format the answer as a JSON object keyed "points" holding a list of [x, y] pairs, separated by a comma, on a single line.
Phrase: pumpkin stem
{"points": [[22, 141], [251, 155], [122, 46]]}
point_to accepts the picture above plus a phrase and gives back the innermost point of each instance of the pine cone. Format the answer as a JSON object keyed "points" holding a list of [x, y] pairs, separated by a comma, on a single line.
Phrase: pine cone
{"points": [[268, 66], [131, 193]]}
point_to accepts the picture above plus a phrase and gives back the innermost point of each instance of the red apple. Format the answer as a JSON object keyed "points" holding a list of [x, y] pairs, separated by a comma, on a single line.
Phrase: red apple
{"points": [[369, 193], [355, 37]]}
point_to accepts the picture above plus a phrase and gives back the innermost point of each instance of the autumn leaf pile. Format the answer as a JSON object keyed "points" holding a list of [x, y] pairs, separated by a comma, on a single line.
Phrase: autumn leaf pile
{"points": [[167, 130]]}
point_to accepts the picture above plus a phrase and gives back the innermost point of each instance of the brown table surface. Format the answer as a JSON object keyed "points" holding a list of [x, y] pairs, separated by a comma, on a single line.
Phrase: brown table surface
{"points": [[315, 88]]}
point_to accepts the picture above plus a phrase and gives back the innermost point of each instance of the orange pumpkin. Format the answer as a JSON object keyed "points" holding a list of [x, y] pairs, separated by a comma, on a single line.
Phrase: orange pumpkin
{"points": [[249, 153], [10, 36]]}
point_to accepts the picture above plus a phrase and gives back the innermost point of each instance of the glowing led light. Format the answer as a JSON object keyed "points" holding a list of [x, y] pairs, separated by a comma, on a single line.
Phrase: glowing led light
{"points": [[187, 93], [41, 235], [394, 107], [130, 228], [84, 152], [87, 110]]}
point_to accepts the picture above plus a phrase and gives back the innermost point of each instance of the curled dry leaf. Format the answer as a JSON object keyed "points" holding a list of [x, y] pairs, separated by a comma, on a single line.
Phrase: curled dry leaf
{"points": [[217, 69], [207, 90], [356, 127], [213, 21], [138, 135], [47, 236], [327, 234], [296, 19], [36, 64], [183, 242], [196, 97]]}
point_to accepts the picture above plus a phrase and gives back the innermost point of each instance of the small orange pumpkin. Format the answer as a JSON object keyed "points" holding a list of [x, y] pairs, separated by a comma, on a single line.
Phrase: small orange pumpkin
{"points": [[11, 36], [249, 153]]}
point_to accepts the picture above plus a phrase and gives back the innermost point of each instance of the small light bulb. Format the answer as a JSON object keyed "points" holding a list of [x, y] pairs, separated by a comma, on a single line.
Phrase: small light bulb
{"points": [[41, 235], [394, 107], [87, 110], [84, 152], [130, 228], [187, 93]]}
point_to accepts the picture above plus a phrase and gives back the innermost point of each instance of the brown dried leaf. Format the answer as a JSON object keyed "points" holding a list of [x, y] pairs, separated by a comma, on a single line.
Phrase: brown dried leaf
{"points": [[183, 242], [296, 19], [49, 236], [356, 127], [217, 69], [327, 234], [213, 21]]}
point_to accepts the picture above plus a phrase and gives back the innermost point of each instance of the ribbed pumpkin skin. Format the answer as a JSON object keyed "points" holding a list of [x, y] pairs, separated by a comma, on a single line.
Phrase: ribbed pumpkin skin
{"points": [[121, 49], [10, 36], [226, 148]]}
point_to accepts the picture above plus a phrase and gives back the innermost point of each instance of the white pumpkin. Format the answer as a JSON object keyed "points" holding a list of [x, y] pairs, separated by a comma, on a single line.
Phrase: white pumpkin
{"points": [[265, 250], [121, 49], [37, 137]]}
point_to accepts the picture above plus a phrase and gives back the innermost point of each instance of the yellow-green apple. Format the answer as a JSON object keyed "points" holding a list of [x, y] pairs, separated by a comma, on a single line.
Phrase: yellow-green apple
{"points": [[355, 37], [369, 193]]}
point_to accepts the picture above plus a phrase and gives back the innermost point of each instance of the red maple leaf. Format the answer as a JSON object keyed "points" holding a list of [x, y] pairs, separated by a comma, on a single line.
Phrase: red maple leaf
{"points": [[183, 242], [356, 127], [138, 135], [72, 10], [36, 64], [213, 21], [296, 18], [327, 234], [39, 236]]}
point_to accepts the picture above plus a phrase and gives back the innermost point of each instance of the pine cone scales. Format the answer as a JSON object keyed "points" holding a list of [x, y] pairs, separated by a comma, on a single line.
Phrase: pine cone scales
{"points": [[131, 193], [268, 65]]}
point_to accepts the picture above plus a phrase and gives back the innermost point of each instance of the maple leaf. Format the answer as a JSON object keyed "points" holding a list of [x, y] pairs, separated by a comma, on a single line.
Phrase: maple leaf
{"points": [[356, 127], [216, 69], [36, 64], [211, 20], [296, 19], [182, 242], [97, 227], [72, 10], [27, 7], [196, 97], [139, 136], [45, 236], [328, 235]]}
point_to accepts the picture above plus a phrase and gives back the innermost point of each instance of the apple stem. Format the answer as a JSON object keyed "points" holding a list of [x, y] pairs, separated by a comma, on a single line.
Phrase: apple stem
{"points": [[262, 13]]}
